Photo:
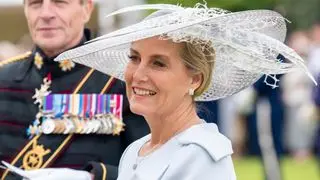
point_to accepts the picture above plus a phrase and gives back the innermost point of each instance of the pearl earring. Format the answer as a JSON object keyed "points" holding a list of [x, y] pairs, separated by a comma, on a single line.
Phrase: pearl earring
{"points": [[191, 91]]}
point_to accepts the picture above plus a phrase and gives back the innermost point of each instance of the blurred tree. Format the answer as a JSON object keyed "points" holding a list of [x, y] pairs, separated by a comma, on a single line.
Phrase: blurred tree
{"points": [[232, 5], [302, 14]]}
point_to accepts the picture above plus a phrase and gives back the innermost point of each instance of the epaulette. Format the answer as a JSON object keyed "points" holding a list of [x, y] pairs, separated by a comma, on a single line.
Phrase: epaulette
{"points": [[15, 59]]}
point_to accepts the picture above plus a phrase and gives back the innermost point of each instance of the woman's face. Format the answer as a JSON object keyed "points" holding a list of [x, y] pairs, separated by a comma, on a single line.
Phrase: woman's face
{"points": [[157, 80]]}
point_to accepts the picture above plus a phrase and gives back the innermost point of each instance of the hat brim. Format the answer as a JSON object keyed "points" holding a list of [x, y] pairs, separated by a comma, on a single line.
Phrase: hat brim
{"points": [[246, 43]]}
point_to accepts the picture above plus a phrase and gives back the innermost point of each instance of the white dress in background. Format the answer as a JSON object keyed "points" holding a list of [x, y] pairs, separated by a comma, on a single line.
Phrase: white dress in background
{"points": [[200, 152]]}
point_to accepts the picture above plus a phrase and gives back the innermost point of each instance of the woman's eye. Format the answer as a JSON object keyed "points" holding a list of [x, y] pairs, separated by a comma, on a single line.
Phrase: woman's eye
{"points": [[159, 64], [60, 1], [133, 58]]}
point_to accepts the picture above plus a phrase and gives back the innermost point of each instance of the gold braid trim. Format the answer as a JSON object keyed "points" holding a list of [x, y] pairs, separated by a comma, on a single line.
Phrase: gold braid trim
{"points": [[66, 141], [69, 137], [15, 58], [104, 169], [23, 151]]}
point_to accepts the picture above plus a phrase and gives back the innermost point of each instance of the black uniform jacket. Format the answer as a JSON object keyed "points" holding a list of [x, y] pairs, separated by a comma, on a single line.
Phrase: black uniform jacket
{"points": [[19, 78]]}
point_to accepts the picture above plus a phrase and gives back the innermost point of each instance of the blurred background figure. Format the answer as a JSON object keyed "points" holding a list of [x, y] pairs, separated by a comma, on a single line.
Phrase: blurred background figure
{"points": [[8, 49], [269, 123], [111, 23], [242, 105], [300, 111], [314, 63], [209, 111], [314, 53]]}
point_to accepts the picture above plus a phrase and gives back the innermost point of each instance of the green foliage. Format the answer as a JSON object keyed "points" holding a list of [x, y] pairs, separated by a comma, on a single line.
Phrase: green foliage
{"points": [[302, 13], [231, 5]]}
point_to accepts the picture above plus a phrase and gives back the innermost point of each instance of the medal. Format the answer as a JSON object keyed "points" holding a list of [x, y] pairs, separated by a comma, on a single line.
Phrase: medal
{"points": [[79, 113], [48, 126]]}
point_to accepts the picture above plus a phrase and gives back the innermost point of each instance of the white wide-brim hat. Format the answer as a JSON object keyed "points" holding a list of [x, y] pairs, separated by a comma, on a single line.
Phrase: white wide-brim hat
{"points": [[247, 44]]}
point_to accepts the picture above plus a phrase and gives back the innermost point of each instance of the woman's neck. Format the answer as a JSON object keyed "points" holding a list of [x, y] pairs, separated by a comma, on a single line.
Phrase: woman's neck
{"points": [[164, 127]]}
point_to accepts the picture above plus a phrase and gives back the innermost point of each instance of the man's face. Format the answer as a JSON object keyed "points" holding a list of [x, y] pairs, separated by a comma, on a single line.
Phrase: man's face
{"points": [[56, 25]]}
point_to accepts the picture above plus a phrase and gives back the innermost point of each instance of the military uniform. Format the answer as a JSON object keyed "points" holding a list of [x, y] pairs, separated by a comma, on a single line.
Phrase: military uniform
{"points": [[19, 77]]}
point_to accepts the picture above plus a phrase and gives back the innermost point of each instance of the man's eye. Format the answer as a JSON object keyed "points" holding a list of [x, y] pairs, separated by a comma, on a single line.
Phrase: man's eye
{"points": [[34, 2]]}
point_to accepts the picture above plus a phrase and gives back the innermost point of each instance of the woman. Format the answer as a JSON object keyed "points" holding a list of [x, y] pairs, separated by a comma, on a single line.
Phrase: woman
{"points": [[162, 81], [178, 56]]}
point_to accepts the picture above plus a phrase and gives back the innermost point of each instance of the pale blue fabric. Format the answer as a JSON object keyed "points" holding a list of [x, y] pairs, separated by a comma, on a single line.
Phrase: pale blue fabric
{"points": [[200, 152]]}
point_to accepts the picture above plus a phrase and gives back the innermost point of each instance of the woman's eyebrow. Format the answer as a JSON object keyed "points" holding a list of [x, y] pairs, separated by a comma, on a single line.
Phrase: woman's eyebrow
{"points": [[134, 51], [161, 56]]}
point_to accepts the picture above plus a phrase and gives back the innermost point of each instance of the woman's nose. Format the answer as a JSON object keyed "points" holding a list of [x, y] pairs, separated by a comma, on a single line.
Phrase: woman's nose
{"points": [[141, 73]]}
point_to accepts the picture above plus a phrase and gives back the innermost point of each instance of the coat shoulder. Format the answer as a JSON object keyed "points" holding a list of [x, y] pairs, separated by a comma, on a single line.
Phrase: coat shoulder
{"points": [[9, 66]]}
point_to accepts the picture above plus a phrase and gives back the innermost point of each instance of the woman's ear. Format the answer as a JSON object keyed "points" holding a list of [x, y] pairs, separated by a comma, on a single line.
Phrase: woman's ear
{"points": [[196, 80]]}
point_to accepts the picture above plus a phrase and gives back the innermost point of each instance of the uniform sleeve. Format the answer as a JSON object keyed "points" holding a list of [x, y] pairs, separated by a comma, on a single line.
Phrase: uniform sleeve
{"points": [[135, 128], [102, 171], [194, 162]]}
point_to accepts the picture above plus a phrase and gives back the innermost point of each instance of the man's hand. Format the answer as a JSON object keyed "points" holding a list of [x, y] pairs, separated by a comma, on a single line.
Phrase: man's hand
{"points": [[50, 173]]}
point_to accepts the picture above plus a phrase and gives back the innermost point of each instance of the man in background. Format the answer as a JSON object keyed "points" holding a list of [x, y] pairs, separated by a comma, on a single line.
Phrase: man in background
{"points": [[56, 26]]}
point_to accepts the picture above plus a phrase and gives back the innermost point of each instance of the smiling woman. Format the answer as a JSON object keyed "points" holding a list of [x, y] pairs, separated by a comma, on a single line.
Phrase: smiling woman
{"points": [[178, 56], [155, 67]]}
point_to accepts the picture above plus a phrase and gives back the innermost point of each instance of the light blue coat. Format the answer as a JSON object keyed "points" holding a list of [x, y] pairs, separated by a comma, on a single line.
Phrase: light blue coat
{"points": [[200, 152]]}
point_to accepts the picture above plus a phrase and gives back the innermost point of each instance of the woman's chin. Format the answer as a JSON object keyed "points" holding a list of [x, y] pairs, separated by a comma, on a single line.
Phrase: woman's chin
{"points": [[140, 110]]}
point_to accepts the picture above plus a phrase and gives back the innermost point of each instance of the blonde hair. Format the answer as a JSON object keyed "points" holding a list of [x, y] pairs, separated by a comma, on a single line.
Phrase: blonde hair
{"points": [[199, 57], [83, 1]]}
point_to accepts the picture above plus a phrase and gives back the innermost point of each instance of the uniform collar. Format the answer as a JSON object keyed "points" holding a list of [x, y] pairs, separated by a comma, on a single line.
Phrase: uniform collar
{"points": [[44, 65]]}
